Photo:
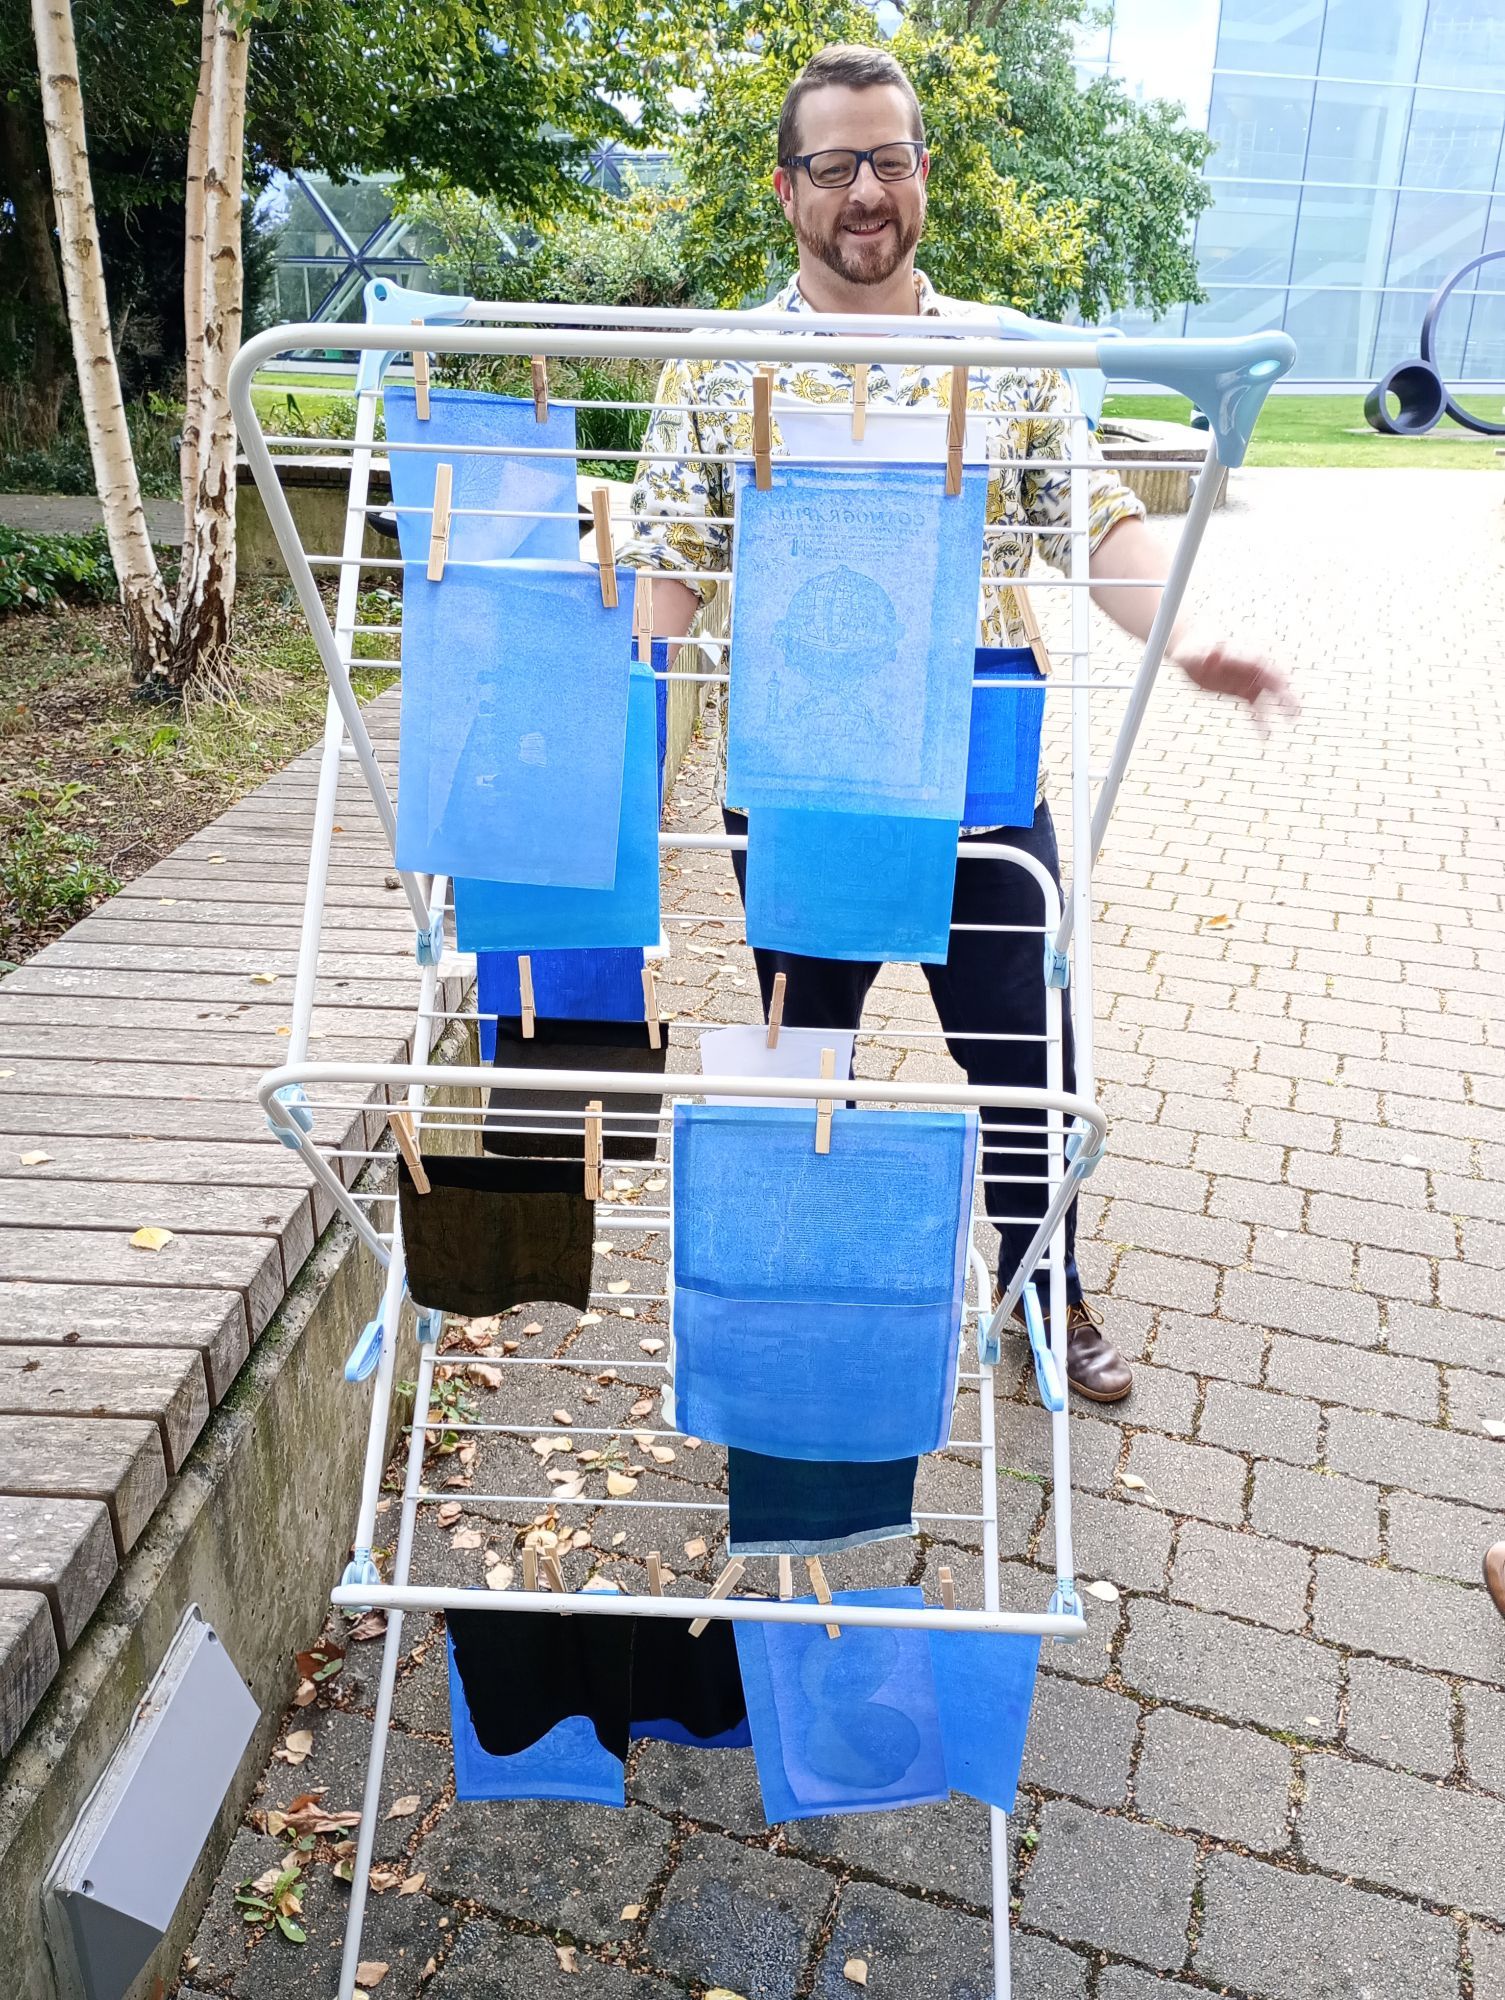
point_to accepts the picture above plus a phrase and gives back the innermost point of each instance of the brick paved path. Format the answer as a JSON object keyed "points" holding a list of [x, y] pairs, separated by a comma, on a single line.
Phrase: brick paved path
{"points": [[1276, 1767]]}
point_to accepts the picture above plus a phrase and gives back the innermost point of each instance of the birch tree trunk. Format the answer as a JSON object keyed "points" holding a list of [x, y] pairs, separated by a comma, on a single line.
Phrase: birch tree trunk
{"points": [[206, 589], [193, 271], [147, 614]]}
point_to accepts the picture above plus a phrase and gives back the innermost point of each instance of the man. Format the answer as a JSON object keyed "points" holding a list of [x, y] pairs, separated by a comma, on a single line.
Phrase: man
{"points": [[852, 178]]}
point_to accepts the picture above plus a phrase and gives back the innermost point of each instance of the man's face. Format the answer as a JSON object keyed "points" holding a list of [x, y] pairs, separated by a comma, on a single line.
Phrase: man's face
{"points": [[866, 231]]}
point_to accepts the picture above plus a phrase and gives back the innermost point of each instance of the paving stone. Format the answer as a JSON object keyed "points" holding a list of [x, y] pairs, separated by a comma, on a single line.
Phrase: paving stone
{"points": [[1270, 1932], [1486, 1950], [1397, 1453], [1473, 1399], [420, 1700], [950, 1486], [1256, 1421], [1400, 1717], [1241, 1573], [223, 1938], [1165, 1281], [1407, 1617], [488, 1963], [1189, 1478], [1024, 1445], [1163, 1399], [1108, 1882], [914, 1951], [1395, 1274], [1235, 1670], [1080, 1741], [1230, 1782], [732, 1916], [1320, 1509], [1383, 1224], [1337, 1374], [342, 1744], [1210, 1346], [1484, 1737], [579, 1863], [1127, 1982], [713, 1787], [1130, 1546], [1405, 1834], [1290, 1305], [937, 1849], [1446, 1336], [1440, 1536], [401, 1932]]}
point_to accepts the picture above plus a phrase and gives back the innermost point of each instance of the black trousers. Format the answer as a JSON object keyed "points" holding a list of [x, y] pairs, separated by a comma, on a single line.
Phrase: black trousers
{"points": [[991, 983]]}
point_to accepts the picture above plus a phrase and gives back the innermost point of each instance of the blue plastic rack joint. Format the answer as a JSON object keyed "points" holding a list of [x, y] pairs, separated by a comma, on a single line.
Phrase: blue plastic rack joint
{"points": [[1057, 966], [1047, 1373], [366, 1352], [361, 1570], [430, 1325], [294, 1100], [1064, 1602], [429, 944], [1076, 1138], [392, 305]]}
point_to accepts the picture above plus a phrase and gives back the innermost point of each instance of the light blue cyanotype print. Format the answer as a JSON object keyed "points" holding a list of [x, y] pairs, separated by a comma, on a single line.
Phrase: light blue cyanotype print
{"points": [[854, 623], [509, 492], [1003, 754], [514, 725]]}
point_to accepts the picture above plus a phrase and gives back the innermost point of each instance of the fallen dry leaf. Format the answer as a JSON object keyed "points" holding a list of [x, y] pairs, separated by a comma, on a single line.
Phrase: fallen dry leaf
{"points": [[655, 1184], [263, 979], [631, 1912], [151, 1239], [448, 1514], [533, 1326], [618, 1485], [621, 1184], [371, 1972], [651, 1346], [561, 1416], [569, 1489], [641, 1407], [296, 1750], [411, 1885], [1132, 1480], [1222, 918], [1107, 1592], [855, 1969], [627, 1312], [642, 1439], [307, 1694], [618, 1539], [321, 1662], [485, 1374], [691, 1444], [620, 1285], [661, 1454], [565, 1953], [1492, 1427], [589, 1319], [696, 1547], [603, 1246], [499, 1576], [385, 1878], [466, 1538], [35, 1159], [403, 1808], [580, 1539]]}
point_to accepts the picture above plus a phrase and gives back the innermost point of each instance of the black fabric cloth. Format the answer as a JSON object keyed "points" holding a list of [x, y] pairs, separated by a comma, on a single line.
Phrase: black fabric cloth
{"points": [[992, 983], [802, 1507], [619, 1045], [496, 1233], [524, 1672]]}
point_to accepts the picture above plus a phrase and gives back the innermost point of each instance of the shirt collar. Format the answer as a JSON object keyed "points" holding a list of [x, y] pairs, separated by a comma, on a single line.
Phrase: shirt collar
{"points": [[792, 299]]}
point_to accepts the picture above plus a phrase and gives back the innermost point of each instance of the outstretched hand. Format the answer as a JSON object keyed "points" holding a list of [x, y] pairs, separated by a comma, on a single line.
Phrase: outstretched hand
{"points": [[1222, 668]]}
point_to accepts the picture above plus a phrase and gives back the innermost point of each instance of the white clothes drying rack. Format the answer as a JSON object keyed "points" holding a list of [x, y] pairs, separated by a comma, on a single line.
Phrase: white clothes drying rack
{"points": [[1228, 379]]}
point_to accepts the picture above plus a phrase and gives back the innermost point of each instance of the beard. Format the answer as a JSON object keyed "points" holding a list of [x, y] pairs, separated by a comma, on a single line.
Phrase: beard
{"points": [[860, 263]]}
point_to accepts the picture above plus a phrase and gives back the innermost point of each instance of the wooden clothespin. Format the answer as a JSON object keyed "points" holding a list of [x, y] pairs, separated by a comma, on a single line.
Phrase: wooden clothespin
{"points": [[553, 1574], [444, 486], [606, 552], [824, 1105], [822, 1590], [776, 1008], [948, 1588], [530, 1567], [956, 430], [525, 996], [1031, 626], [421, 380], [655, 1574], [786, 1577], [593, 1150], [407, 1145], [724, 1585], [642, 618], [650, 1008], [540, 388], [763, 429], [859, 402]]}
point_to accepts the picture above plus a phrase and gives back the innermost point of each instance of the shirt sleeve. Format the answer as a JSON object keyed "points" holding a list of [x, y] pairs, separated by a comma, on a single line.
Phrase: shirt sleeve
{"points": [[675, 489], [1046, 488]]}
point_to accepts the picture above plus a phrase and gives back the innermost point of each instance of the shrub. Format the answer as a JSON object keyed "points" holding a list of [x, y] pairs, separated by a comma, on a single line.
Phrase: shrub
{"points": [[48, 868], [39, 570]]}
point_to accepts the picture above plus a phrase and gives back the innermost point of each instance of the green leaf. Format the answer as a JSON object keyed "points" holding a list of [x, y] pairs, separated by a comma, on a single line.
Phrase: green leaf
{"points": [[294, 1933]]}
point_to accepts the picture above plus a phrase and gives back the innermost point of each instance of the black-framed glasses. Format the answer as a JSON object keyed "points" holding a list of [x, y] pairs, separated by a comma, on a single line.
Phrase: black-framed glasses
{"points": [[839, 166]]}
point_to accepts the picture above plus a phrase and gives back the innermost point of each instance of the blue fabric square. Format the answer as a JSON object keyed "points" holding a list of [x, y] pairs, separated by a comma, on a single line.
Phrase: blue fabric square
{"points": [[817, 1297], [843, 885], [568, 1763], [567, 986], [842, 1725], [514, 725], [985, 1683], [518, 486], [853, 632], [518, 917], [1003, 753]]}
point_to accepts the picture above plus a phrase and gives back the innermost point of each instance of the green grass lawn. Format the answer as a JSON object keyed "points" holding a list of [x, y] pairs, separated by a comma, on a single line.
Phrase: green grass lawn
{"points": [[1330, 430]]}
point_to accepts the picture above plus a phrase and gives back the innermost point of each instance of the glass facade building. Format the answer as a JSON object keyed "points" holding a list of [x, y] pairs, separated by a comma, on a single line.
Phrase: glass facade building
{"points": [[1359, 160]]}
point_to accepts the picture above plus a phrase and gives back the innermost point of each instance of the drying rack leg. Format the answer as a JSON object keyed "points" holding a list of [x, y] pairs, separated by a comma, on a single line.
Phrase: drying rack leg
{"points": [[998, 1841], [360, 1881]]}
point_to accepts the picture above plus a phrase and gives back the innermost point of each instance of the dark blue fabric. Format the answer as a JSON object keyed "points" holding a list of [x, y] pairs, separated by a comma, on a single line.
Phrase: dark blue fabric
{"points": [[1003, 751], [991, 983], [803, 1507], [850, 885], [567, 986], [497, 916], [568, 1763]]}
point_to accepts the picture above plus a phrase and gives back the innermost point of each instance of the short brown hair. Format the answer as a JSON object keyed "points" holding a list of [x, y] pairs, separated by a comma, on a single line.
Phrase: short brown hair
{"points": [[854, 67]]}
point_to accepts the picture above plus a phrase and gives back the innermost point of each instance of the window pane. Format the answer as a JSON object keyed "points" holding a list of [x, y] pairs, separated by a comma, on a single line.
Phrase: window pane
{"points": [[1270, 35], [1464, 44], [1140, 324], [1400, 333], [1237, 311], [1343, 237], [1164, 48], [1372, 38], [1259, 125], [1334, 333], [1484, 356], [1454, 140], [1434, 234], [1358, 133], [1245, 237]]}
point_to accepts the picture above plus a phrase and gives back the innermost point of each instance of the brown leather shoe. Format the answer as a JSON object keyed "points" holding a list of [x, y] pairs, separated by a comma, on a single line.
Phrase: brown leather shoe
{"points": [[1094, 1366], [1494, 1575]]}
